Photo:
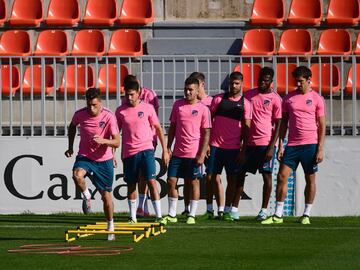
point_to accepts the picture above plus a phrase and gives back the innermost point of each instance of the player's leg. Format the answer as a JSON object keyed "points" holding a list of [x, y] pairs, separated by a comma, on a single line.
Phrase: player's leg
{"points": [[187, 194], [239, 189], [142, 209], [266, 193], [174, 170], [193, 175], [108, 207], [80, 168], [131, 177]]}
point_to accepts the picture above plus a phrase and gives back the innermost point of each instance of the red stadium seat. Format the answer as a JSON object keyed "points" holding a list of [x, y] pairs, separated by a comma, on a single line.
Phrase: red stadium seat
{"points": [[295, 42], [36, 81], [89, 43], [281, 78], [139, 12], [76, 83], [335, 42], [343, 12], [246, 71], [112, 75], [102, 12], [325, 70], [307, 12], [26, 13], [52, 42], [3, 12], [126, 42], [267, 12], [258, 42], [357, 48], [63, 12], [349, 83], [5, 79], [15, 43]]}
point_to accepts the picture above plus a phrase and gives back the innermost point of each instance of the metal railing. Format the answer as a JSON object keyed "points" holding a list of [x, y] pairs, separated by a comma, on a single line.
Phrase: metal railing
{"points": [[45, 94]]}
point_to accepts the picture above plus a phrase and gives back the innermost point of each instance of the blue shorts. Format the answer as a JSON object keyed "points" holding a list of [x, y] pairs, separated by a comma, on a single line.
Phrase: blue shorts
{"points": [[101, 173], [142, 163], [255, 160], [304, 154], [184, 168], [220, 158]]}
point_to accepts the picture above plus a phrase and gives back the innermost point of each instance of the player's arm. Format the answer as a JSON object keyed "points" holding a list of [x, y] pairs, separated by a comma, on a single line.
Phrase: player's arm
{"points": [[282, 134], [113, 142], [71, 136], [321, 139], [171, 136], [205, 136], [161, 136], [274, 137], [245, 131]]}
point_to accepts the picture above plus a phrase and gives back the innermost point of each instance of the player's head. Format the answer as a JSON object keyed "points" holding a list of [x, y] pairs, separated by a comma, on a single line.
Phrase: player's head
{"points": [[191, 89], [236, 81], [201, 78], [266, 75], [132, 92], [302, 76], [93, 101]]}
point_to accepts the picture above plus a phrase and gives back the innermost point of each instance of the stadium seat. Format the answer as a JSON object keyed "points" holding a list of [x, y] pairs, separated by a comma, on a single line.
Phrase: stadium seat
{"points": [[15, 43], [267, 12], [89, 43], [307, 12], [36, 81], [112, 75], [76, 83], [357, 47], [343, 12], [26, 13], [52, 43], [258, 42], [325, 70], [5, 79], [246, 71], [138, 12], [349, 83], [281, 78], [295, 42], [126, 42], [63, 12], [102, 12], [3, 12], [335, 42]]}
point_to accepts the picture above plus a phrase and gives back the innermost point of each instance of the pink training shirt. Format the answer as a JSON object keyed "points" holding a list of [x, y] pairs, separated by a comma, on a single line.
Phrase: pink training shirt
{"points": [[207, 101], [189, 120], [149, 96], [265, 109], [136, 125], [103, 125], [303, 110], [226, 132]]}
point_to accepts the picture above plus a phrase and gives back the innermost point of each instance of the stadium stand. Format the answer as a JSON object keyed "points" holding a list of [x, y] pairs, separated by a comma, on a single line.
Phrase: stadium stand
{"points": [[349, 83], [250, 73], [110, 79], [33, 76], [26, 13], [138, 12], [3, 12], [307, 12], [335, 42], [284, 71], [357, 46], [266, 12], [295, 42], [15, 43], [9, 78], [102, 12], [74, 79], [52, 42], [126, 42], [258, 42], [63, 13], [330, 78], [89, 42], [343, 12]]}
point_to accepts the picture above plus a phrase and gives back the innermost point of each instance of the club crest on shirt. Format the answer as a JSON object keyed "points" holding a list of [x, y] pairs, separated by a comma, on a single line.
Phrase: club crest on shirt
{"points": [[194, 112], [309, 102], [101, 124], [140, 114], [266, 102]]}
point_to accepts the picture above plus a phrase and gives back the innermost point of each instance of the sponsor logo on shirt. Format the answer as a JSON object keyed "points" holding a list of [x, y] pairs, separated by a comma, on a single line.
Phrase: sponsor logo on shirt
{"points": [[309, 102], [266, 102], [101, 124], [194, 113], [140, 114]]}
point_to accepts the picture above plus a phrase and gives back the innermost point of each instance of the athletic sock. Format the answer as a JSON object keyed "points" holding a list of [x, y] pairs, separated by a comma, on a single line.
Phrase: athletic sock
{"points": [[157, 208], [132, 208], [187, 208], [234, 209], [110, 225], [221, 209], [209, 207], [279, 209], [141, 201], [146, 208], [227, 209], [172, 206], [264, 210], [193, 207], [307, 210], [86, 194]]}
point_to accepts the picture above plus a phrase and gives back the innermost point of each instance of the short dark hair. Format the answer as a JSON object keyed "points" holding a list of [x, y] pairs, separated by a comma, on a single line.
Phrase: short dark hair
{"points": [[191, 80], [130, 78], [265, 71], [198, 75], [302, 71], [131, 85], [236, 75], [92, 93]]}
